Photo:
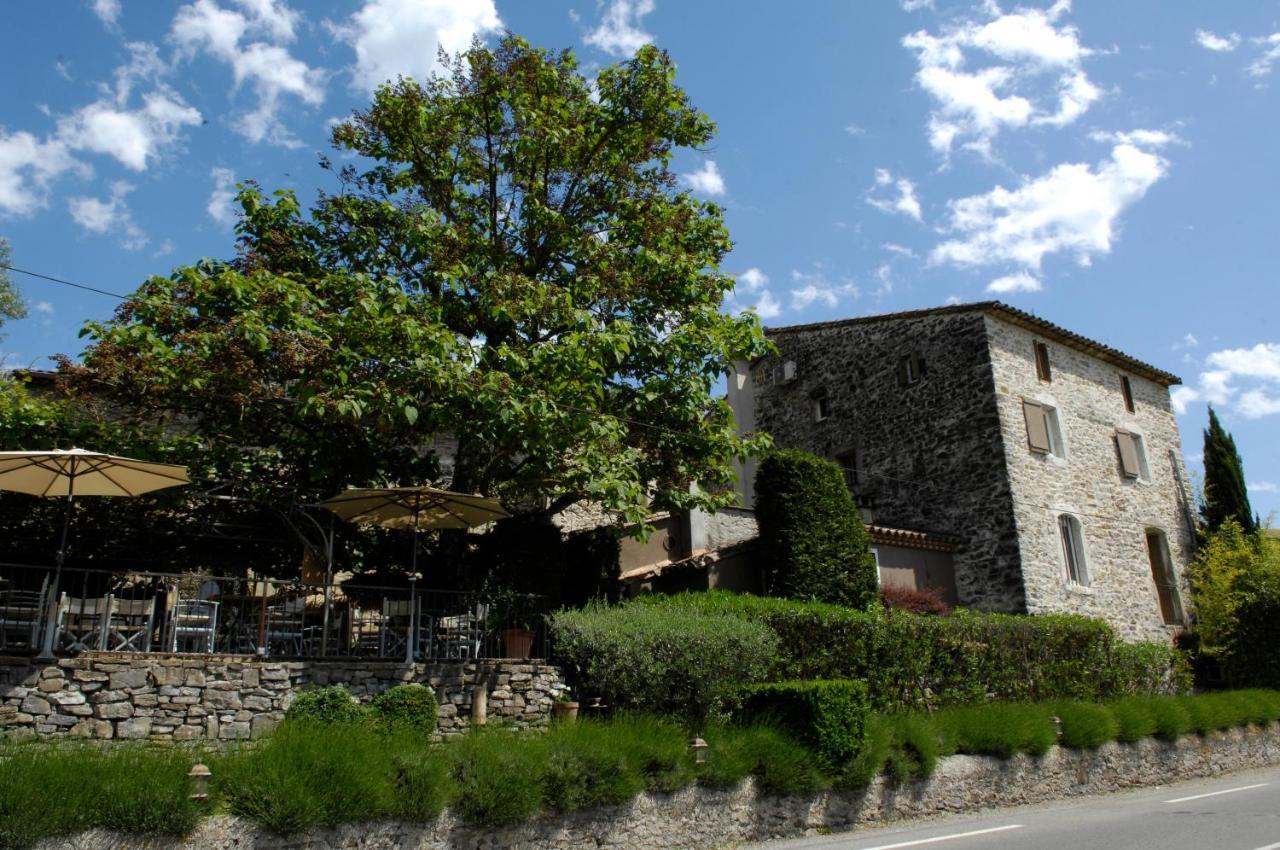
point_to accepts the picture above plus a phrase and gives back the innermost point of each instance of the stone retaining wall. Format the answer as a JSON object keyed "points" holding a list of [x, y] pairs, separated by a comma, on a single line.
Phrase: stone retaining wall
{"points": [[702, 818], [185, 697]]}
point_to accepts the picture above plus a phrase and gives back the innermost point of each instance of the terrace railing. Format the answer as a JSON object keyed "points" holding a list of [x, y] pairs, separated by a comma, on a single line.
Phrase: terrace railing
{"points": [[142, 611]]}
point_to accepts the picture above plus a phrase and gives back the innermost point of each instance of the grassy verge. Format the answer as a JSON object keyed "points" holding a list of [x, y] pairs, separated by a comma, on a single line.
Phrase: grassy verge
{"points": [[312, 774]]}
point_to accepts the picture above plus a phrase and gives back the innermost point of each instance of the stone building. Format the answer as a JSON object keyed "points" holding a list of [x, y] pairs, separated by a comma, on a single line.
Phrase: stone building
{"points": [[1017, 465]]}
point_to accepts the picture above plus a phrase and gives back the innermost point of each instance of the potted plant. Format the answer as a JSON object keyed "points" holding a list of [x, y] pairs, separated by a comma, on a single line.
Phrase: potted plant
{"points": [[564, 707], [517, 622]]}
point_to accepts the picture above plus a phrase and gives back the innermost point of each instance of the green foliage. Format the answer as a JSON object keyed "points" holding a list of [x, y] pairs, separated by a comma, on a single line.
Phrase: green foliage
{"points": [[830, 716], [655, 659], [57, 789], [1249, 657], [1086, 726], [458, 284], [915, 746], [1171, 716], [12, 305], [410, 706], [1134, 719], [877, 749], [814, 543], [1225, 495], [499, 776], [998, 729], [333, 704], [422, 785], [912, 662]]}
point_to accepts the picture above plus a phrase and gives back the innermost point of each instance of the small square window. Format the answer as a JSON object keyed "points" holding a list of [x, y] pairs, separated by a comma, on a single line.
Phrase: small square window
{"points": [[848, 463], [1044, 436], [1126, 390], [1133, 456], [1043, 372], [910, 369], [821, 406]]}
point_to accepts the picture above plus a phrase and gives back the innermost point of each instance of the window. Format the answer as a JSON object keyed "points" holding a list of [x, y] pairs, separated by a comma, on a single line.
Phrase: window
{"points": [[821, 407], [1042, 362], [1126, 390], [1043, 433], [1133, 456], [910, 369], [1162, 575], [1073, 550], [848, 463]]}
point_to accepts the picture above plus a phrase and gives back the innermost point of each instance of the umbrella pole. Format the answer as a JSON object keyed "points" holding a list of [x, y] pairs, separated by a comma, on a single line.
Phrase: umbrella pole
{"points": [[411, 641], [328, 589], [51, 610]]}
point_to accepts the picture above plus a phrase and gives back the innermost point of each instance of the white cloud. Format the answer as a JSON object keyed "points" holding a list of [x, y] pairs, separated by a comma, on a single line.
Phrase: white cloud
{"points": [[1017, 282], [263, 64], [619, 32], [108, 11], [904, 202], [811, 288], [1256, 404], [900, 250], [1072, 209], [916, 5], [1261, 66], [221, 206], [43, 307], [750, 281], [1188, 341], [112, 215], [134, 137], [394, 38], [1225, 370], [768, 307], [855, 130], [1221, 44], [1263, 487], [27, 166], [706, 180], [1261, 361], [752, 284], [987, 76]]}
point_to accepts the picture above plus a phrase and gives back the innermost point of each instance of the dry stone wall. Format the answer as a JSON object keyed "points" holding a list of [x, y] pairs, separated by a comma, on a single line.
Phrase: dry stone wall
{"points": [[705, 818], [183, 698]]}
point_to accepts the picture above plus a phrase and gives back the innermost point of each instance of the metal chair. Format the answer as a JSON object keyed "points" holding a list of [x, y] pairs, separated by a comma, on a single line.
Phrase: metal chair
{"points": [[21, 614], [128, 625], [194, 620], [284, 626], [461, 635], [82, 623], [398, 615], [365, 637]]}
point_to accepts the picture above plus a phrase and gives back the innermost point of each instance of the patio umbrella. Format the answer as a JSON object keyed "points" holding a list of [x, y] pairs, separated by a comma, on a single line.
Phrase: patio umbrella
{"points": [[414, 508], [67, 473]]}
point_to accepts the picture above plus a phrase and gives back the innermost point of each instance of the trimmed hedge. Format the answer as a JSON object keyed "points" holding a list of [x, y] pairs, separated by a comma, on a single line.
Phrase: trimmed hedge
{"points": [[914, 662], [410, 706], [662, 660], [332, 704], [815, 545], [830, 716]]}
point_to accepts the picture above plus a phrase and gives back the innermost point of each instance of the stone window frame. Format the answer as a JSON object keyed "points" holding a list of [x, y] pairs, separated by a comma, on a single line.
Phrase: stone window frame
{"points": [[1070, 533], [820, 403], [1056, 433], [1140, 447]]}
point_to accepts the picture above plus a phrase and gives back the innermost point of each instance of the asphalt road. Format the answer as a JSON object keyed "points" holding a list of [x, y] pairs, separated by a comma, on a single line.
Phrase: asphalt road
{"points": [[1240, 811]]}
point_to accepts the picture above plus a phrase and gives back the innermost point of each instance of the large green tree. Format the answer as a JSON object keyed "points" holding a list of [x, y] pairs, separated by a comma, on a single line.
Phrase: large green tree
{"points": [[12, 306], [1226, 495], [509, 270]]}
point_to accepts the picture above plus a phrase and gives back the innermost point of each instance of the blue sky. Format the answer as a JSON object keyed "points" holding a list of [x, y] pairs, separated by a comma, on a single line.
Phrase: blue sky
{"points": [[1110, 167]]}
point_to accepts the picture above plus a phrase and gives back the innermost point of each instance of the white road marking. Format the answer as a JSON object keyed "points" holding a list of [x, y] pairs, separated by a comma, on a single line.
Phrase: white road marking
{"points": [[920, 841], [1275, 846], [1216, 793]]}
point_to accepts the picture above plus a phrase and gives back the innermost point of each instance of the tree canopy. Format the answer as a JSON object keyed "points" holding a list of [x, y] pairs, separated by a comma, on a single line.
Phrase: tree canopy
{"points": [[508, 295], [12, 306], [1225, 493]]}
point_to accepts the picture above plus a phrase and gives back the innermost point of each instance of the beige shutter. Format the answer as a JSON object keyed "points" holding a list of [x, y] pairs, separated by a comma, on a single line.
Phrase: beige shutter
{"points": [[1037, 432], [1128, 454]]}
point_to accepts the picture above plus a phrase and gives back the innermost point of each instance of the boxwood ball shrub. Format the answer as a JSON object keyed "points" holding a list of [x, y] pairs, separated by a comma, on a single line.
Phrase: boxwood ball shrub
{"points": [[662, 660], [815, 545], [410, 706], [333, 704], [830, 716]]}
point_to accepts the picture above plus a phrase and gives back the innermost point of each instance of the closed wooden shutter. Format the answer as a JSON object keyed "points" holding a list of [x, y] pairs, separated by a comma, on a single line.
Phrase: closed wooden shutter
{"points": [[1037, 431], [1042, 362], [1128, 446]]}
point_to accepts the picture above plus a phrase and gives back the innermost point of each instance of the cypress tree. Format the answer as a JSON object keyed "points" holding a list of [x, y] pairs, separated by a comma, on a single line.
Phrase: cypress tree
{"points": [[1225, 495]]}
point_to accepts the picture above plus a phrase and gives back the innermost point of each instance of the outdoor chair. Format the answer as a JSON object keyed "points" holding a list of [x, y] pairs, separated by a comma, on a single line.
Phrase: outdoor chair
{"points": [[366, 630], [397, 620], [194, 621], [21, 613], [284, 627], [128, 625], [82, 623], [461, 635]]}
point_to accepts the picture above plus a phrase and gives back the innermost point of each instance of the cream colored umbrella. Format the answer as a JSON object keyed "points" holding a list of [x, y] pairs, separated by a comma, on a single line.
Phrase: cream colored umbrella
{"points": [[414, 508], [67, 473]]}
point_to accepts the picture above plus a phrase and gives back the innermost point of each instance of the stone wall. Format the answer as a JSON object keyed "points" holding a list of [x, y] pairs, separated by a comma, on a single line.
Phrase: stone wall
{"points": [[184, 697], [1114, 512], [704, 818], [928, 455]]}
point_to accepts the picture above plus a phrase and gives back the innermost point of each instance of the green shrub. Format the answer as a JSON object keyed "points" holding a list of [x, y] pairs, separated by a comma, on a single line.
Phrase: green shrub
{"points": [[407, 706], [49, 789], [916, 744], [662, 660], [1249, 658], [998, 729], [499, 776], [422, 785], [333, 704], [1086, 726], [830, 716], [876, 750], [1134, 720], [1171, 716], [312, 774], [912, 662], [813, 539]]}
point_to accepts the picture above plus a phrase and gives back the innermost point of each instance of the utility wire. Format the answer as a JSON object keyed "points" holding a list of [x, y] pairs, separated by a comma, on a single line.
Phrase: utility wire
{"points": [[919, 482]]}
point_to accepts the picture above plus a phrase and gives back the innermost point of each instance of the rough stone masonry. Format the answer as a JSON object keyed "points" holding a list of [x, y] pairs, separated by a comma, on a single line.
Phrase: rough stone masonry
{"points": [[183, 698]]}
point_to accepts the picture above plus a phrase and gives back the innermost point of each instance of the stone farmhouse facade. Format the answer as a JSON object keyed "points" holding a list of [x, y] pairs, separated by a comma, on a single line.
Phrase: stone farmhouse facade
{"points": [[1017, 465]]}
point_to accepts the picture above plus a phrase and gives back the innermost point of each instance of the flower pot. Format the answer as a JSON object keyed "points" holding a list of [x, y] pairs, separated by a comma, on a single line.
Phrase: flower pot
{"points": [[564, 711], [516, 643]]}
